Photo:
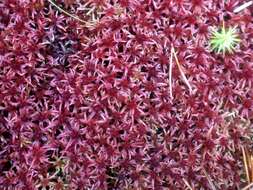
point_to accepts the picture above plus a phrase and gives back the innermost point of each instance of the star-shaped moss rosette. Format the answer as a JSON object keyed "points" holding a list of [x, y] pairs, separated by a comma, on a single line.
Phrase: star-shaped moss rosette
{"points": [[224, 39]]}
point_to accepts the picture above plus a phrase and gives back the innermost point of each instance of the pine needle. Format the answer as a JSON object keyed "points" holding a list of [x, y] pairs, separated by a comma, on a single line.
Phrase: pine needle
{"points": [[170, 73], [251, 168], [181, 70], [245, 161], [67, 13], [243, 6]]}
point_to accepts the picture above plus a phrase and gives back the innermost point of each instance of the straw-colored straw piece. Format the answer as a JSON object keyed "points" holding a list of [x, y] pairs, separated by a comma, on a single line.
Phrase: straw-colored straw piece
{"points": [[170, 72], [181, 70], [243, 6], [245, 161], [67, 13]]}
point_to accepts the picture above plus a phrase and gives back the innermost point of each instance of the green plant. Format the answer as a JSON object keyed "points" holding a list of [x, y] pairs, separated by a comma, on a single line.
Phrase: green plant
{"points": [[224, 39]]}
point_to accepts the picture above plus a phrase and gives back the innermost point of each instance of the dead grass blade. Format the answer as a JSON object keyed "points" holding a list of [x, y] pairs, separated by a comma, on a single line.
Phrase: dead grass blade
{"points": [[170, 72], [243, 6], [67, 13], [181, 70], [251, 168], [246, 165]]}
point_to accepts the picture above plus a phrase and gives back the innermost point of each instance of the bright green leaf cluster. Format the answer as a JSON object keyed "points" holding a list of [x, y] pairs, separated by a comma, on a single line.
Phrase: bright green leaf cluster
{"points": [[224, 40]]}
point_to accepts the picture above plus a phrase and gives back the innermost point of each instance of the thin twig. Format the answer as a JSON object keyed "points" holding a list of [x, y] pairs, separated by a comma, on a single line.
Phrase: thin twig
{"points": [[67, 13], [181, 70], [170, 73]]}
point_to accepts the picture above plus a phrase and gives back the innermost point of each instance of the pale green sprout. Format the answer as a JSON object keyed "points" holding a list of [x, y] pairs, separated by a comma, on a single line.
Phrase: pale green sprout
{"points": [[224, 40]]}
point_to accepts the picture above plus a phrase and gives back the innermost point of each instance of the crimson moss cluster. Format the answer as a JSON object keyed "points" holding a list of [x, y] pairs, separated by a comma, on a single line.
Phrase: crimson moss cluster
{"points": [[87, 105]]}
